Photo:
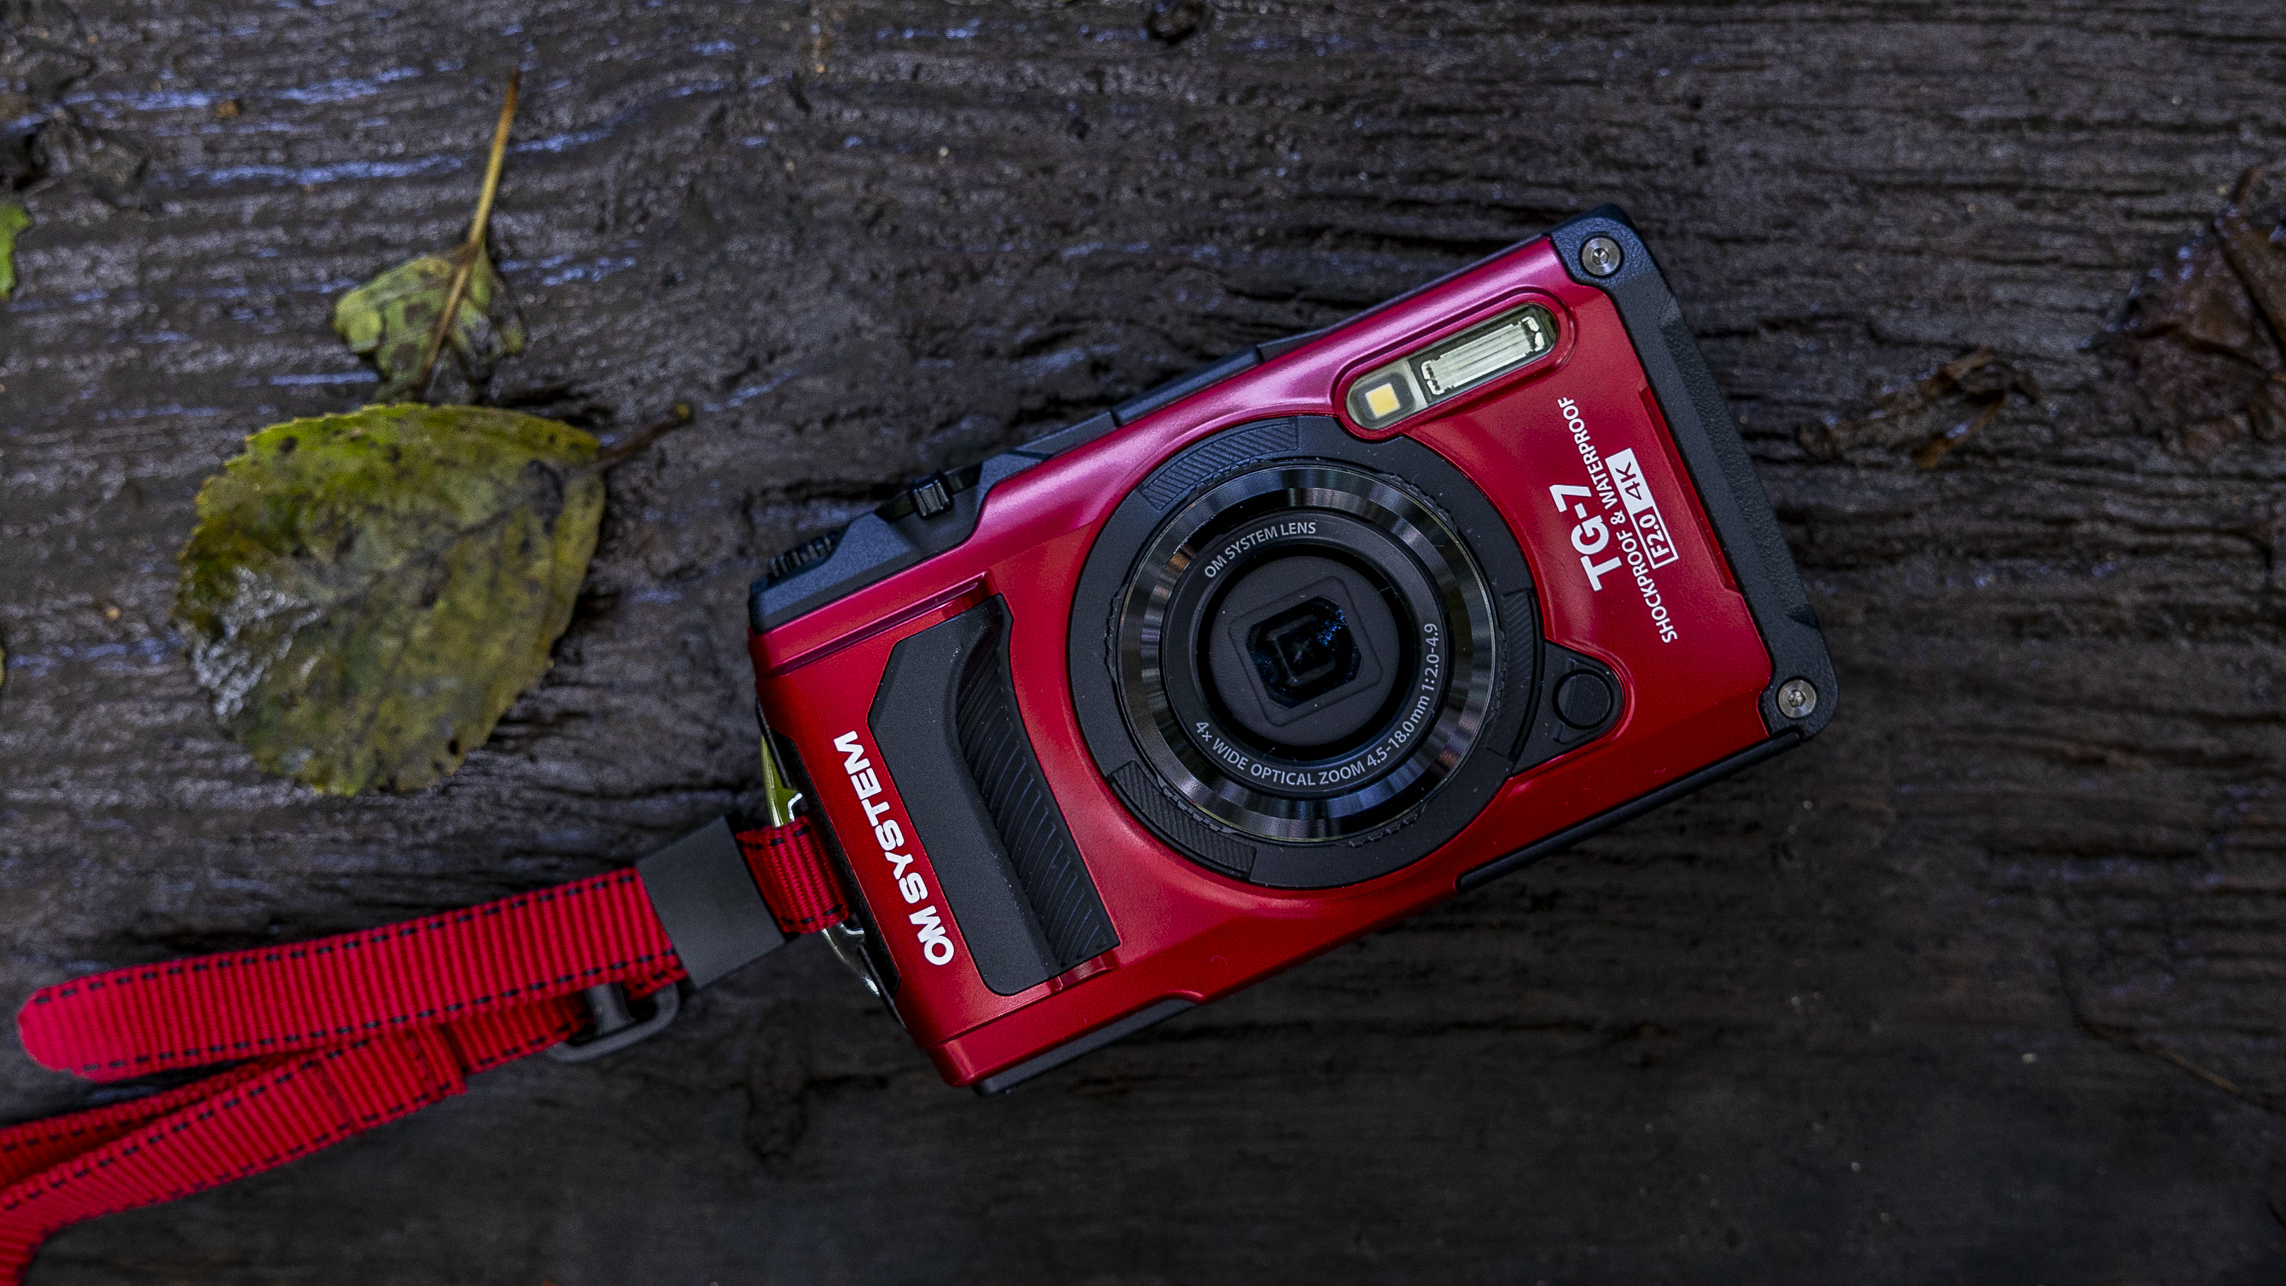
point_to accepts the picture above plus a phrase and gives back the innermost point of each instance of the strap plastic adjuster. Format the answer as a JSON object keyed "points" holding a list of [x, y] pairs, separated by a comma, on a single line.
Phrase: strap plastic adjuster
{"points": [[616, 1026]]}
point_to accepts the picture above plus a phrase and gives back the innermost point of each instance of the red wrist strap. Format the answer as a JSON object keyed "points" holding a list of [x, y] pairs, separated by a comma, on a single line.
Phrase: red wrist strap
{"points": [[313, 995], [790, 868], [336, 1036]]}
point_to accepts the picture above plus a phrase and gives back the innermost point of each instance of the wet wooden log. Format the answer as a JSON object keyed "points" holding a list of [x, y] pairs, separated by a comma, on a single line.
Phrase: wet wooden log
{"points": [[1931, 999]]}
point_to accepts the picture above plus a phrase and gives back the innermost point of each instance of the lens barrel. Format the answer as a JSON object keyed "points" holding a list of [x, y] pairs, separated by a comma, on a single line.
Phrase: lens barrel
{"points": [[1303, 659], [1306, 651]]}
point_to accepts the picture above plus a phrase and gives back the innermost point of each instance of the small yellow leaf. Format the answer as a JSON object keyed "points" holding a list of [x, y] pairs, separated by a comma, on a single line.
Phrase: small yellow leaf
{"points": [[399, 318], [392, 319]]}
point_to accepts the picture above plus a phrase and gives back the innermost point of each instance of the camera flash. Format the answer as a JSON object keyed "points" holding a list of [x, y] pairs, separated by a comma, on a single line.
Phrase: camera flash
{"points": [[1476, 356], [1483, 354]]}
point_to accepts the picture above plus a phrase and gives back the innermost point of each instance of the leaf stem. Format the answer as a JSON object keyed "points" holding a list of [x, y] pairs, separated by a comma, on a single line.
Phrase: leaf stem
{"points": [[492, 164], [680, 415], [472, 249]]}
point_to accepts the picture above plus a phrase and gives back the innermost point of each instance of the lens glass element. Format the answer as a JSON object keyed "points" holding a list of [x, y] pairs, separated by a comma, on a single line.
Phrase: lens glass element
{"points": [[1303, 652]]}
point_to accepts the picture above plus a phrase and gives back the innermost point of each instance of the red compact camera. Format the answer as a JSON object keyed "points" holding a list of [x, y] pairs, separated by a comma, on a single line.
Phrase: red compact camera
{"points": [[1282, 652], [1099, 729]]}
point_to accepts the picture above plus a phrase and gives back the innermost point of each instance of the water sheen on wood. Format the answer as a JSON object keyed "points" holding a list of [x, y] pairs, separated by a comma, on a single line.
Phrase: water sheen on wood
{"points": [[1815, 1024]]}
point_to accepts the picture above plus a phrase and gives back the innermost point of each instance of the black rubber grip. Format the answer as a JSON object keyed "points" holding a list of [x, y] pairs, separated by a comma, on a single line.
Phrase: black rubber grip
{"points": [[948, 728]]}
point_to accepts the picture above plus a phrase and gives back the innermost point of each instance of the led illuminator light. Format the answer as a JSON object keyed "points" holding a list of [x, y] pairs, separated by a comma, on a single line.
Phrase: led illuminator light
{"points": [[1443, 371]]}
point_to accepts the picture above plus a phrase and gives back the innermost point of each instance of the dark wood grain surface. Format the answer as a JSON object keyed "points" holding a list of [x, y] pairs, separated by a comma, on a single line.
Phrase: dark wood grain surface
{"points": [[1945, 997]]}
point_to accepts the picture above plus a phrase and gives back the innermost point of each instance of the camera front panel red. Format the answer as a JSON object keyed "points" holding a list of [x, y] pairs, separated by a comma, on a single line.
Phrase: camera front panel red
{"points": [[1679, 637]]}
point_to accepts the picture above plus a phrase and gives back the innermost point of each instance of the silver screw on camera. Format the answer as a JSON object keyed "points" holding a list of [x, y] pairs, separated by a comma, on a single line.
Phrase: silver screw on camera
{"points": [[1601, 256], [1796, 698]]}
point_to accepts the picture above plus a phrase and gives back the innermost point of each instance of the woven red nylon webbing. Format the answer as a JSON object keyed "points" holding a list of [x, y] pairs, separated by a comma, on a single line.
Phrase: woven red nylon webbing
{"points": [[245, 1004], [790, 868], [343, 1033], [336, 1036], [243, 1121]]}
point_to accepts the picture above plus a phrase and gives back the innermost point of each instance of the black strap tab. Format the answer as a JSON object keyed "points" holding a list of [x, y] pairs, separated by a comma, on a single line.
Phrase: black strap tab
{"points": [[707, 901]]}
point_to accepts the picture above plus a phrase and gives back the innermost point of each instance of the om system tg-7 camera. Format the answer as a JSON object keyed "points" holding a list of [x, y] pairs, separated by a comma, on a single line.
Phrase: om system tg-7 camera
{"points": [[1128, 717]]}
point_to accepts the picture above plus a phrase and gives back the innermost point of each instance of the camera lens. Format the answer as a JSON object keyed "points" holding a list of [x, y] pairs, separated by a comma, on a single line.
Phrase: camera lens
{"points": [[1305, 651]]}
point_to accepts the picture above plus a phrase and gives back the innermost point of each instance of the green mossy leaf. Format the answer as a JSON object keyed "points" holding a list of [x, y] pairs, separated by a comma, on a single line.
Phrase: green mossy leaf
{"points": [[13, 220], [366, 594], [392, 319]]}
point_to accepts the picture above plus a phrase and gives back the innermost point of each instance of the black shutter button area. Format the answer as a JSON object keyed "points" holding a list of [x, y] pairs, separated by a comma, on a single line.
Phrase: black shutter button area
{"points": [[931, 496]]}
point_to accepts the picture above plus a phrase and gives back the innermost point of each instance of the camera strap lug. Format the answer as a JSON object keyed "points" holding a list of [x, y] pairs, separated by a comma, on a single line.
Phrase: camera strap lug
{"points": [[787, 858]]}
